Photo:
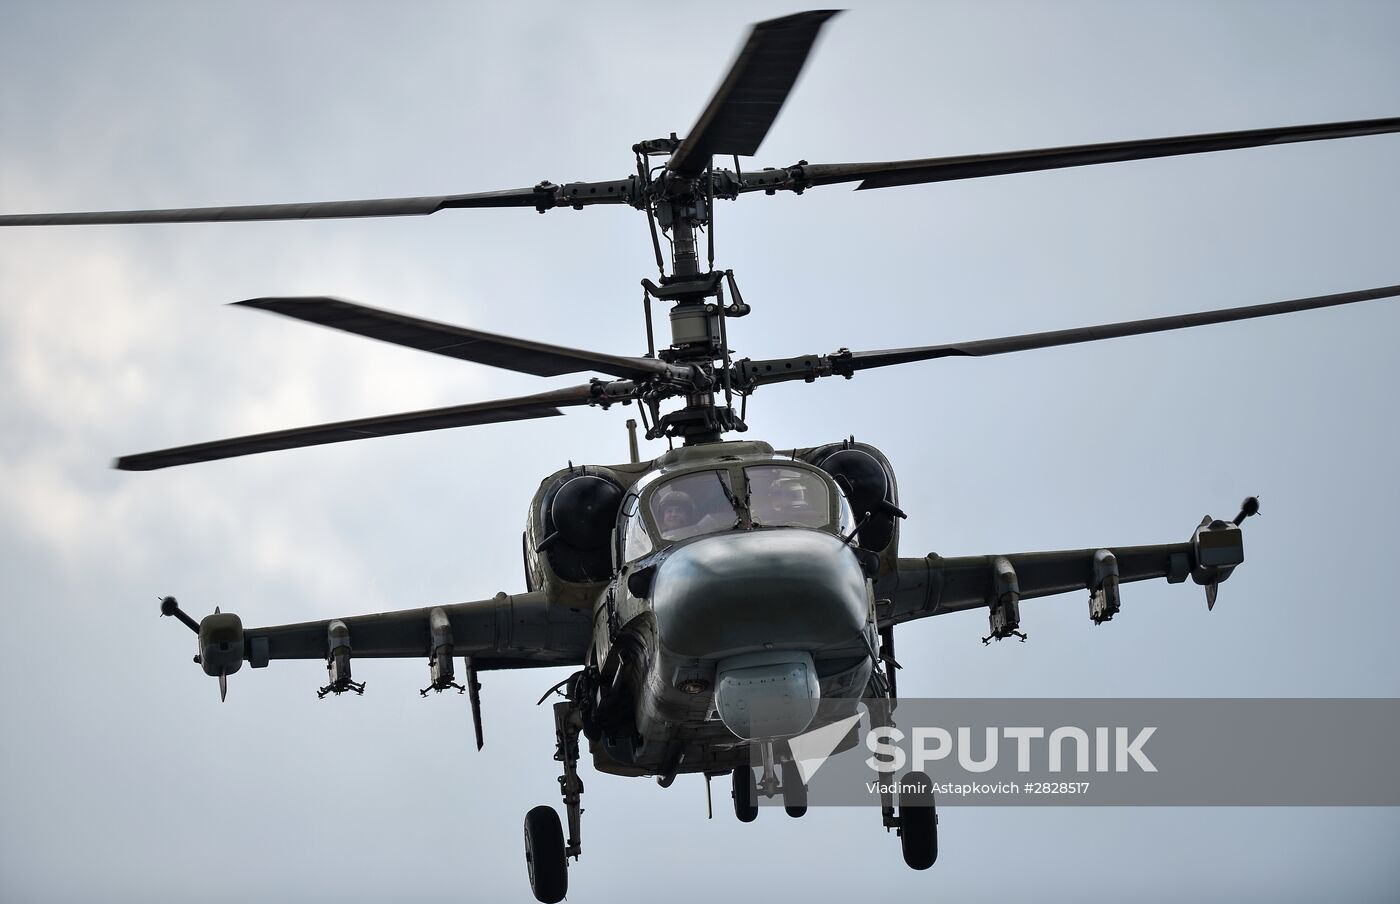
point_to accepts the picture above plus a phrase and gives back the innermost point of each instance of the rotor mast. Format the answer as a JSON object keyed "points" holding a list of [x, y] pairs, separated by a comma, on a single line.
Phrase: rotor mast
{"points": [[699, 337], [680, 199]]}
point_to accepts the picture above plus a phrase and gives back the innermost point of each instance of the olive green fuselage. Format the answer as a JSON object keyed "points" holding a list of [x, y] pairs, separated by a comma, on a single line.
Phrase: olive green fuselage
{"points": [[671, 612]]}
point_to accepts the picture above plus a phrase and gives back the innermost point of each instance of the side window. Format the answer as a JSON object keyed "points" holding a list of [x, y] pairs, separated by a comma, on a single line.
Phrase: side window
{"points": [[636, 542], [787, 497]]}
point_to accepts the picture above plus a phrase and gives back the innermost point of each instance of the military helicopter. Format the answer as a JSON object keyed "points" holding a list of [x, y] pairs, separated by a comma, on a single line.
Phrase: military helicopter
{"points": [[668, 584]]}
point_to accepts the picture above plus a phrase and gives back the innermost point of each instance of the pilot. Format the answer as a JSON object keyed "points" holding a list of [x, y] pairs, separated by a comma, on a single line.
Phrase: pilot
{"points": [[677, 513], [784, 502], [789, 495]]}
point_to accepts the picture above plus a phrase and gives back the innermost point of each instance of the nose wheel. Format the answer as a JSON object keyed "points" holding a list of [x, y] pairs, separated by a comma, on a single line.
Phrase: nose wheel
{"points": [[794, 790], [746, 789]]}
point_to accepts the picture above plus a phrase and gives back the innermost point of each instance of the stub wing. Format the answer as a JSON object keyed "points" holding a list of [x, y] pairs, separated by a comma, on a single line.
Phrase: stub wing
{"points": [[935, 585], [526, 630], [520, 631]]}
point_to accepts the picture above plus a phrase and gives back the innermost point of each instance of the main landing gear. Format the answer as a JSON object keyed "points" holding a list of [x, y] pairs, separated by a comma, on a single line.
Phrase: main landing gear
{"points": [[544, 855], [546, 852], [916, 821]]}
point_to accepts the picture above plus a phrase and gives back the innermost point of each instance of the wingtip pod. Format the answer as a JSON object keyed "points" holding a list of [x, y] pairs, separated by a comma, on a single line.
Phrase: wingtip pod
{"points": [[1218, 547], [221, 647]]}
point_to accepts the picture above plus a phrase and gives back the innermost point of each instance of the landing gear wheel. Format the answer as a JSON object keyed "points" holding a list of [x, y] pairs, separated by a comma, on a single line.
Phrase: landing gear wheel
{"points": [[918, 822], [794, 791], [745, 794], [544, 855]]}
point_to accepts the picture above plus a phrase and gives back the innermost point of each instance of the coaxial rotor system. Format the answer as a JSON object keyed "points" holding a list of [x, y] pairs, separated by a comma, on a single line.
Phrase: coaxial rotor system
{"points": [[678, 196]]}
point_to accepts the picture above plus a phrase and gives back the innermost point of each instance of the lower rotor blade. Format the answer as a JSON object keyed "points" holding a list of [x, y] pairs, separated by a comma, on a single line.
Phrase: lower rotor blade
{"points": [[523, 355], [545, 404], [981, 347], [749, 374]]}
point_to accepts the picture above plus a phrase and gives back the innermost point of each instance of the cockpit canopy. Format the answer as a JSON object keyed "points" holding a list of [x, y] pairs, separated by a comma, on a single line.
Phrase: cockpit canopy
{"points": [[719, 499]]}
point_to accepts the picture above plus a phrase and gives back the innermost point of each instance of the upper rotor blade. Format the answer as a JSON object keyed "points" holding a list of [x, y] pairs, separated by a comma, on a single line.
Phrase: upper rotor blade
{"points": [[523, 355], [971, 166], [545, 404], [379, 207], [748, 100], [757, 373], [542, 197]]}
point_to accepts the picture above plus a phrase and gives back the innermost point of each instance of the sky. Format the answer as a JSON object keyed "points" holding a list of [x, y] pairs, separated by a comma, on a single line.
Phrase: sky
{"points": [[123, 778]]}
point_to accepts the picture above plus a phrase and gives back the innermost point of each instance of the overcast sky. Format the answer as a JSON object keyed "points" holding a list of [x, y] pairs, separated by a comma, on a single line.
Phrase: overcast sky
{"points": [[123, 778]]}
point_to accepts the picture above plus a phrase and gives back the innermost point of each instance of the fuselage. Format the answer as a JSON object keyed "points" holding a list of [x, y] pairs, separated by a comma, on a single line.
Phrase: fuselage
{"points": [[731, 598]]}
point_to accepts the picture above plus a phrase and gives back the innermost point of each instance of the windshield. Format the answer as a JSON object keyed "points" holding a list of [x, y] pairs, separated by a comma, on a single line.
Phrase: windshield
{"points": [[787, 497], [694, 504]]}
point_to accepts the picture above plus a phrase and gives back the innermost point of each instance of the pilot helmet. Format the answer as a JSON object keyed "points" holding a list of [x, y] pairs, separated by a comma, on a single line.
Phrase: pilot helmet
{"points": [[679, 502], [788, 492]]}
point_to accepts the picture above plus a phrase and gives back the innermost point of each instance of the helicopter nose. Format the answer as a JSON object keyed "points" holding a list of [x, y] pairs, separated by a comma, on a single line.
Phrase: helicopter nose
{"points": [[738, 592]]}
